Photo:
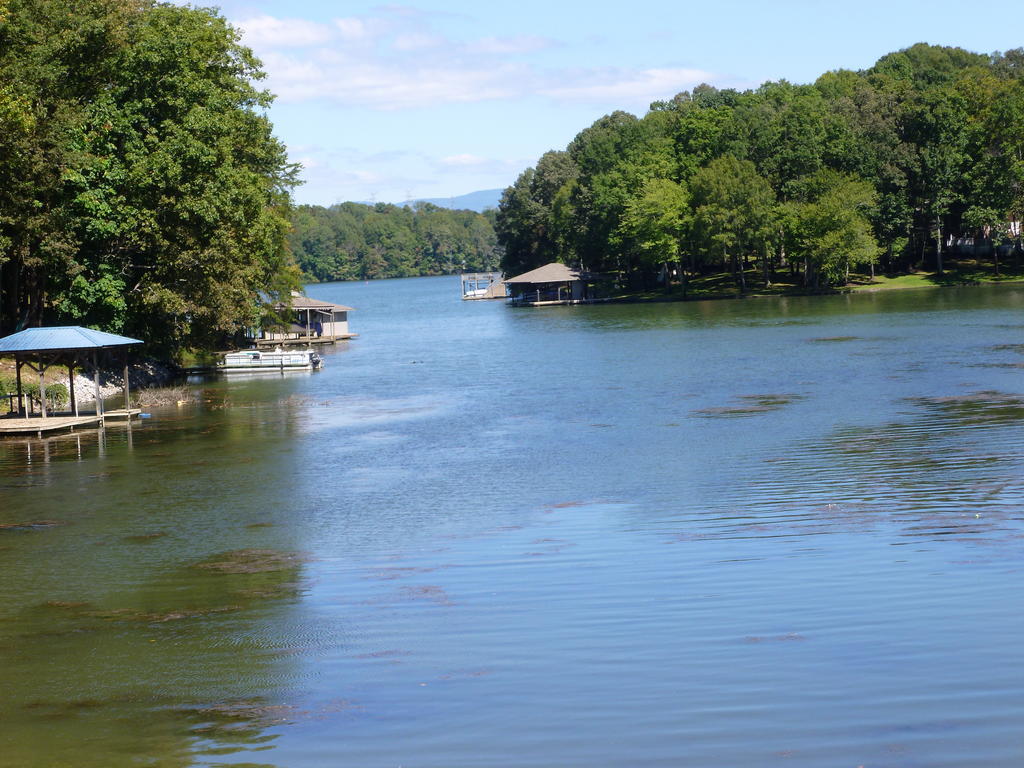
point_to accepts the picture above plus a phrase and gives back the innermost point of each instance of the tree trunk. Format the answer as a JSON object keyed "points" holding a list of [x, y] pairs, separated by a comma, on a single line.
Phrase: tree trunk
{"points": [[938, 244], [738, 267], [34, 300]]}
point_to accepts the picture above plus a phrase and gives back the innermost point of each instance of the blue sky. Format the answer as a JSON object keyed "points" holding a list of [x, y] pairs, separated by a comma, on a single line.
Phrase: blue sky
{"points": [[436, 99]]}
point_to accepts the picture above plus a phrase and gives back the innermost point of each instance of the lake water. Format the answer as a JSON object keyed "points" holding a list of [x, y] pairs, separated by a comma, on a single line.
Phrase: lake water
{"points": [[737, 533]]}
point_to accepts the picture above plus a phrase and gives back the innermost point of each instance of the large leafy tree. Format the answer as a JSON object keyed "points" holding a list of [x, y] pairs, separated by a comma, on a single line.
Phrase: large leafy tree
{"points": [[149, 195], [655, 222], [996, 102], [531, 211], [55, 60], [831, 226], [938, 123], [734, 211]]}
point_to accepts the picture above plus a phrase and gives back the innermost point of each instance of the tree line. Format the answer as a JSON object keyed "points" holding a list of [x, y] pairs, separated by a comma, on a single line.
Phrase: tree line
{"points": [[888, 166], [143, 191], [352, 241]]}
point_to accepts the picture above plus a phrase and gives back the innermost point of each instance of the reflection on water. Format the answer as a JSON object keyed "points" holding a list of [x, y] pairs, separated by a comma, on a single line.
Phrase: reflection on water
{"points": [[756, 532]]}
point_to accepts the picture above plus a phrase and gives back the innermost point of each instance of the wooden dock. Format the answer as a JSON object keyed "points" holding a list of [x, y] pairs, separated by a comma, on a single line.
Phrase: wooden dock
{"points": [[303, 341], [39, 426], [122, 414]]}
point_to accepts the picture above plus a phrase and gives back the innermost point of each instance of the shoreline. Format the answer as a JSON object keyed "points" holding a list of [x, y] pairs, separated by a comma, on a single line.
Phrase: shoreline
{"points": [[154, 373], [145, 374], [880, 284]]}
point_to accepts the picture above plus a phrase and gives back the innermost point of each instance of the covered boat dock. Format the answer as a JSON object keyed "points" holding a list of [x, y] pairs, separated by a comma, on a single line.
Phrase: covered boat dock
{"points": [[310, 321], [40, 349], [552, 283]]}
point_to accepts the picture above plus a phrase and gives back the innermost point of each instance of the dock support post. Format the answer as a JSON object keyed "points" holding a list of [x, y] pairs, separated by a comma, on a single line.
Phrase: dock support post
{"points": [[96, 383], [42, 387], [22, 410], [71, 389], [127, 398]]}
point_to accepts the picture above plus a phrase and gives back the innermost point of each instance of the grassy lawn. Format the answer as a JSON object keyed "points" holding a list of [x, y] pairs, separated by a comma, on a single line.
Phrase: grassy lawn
{"points": [[965, 272], [722, 285]]}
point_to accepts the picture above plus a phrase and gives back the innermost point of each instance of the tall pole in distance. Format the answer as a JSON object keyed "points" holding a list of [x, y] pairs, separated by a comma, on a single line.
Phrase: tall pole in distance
{"points": [[71, 389], [22, 410], [127, 398], [42, 386], [96, 383]]}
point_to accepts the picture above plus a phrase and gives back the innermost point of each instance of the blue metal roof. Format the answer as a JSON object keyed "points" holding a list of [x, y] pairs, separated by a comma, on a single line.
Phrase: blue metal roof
{"points": [[57, 339]]}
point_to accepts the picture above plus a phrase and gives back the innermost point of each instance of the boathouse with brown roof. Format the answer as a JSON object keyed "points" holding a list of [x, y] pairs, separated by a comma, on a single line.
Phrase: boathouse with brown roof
{"points": [[552, 283], [307, 321]]}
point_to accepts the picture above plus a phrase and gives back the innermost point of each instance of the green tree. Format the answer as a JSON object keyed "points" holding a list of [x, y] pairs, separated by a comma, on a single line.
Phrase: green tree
{"points": [[55, 60], [654, 223], [525, 221], [149, 171], [733, 212], [354, 241], [831, 226]]}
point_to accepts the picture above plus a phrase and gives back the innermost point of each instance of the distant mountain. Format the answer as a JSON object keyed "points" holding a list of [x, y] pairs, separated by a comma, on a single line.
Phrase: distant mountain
{"points": [[472, 201]]}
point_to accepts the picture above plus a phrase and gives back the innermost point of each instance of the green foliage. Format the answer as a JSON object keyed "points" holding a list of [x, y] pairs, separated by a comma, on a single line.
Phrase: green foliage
{"points": [[654, 222], [95, 303], [732, 205], [895, 163], [144, 191], [831, 226], [56, 393], [351, 241], [535, 220]]}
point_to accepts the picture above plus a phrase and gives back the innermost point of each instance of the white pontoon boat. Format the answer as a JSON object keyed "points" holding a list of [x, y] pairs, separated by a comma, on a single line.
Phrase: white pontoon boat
{"points": [[256, 360]]}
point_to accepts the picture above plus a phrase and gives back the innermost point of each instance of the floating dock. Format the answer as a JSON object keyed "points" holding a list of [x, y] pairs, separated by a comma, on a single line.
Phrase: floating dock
{"points": [[302, 341], [39, 425]]}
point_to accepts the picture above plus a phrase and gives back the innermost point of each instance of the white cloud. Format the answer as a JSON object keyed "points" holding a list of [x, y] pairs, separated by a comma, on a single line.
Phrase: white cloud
{"points": [[352, 29], [397, 60], [463, 160], [501, 46], [418, 42], [334, 174], [270, 32], [364, 29], [362, 177], [385, 85], [618, 86]]}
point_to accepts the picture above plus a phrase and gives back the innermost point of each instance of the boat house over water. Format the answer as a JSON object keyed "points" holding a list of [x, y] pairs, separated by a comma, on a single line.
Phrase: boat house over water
{"points": [[551, 284], [39, 350], [309, 321]]}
